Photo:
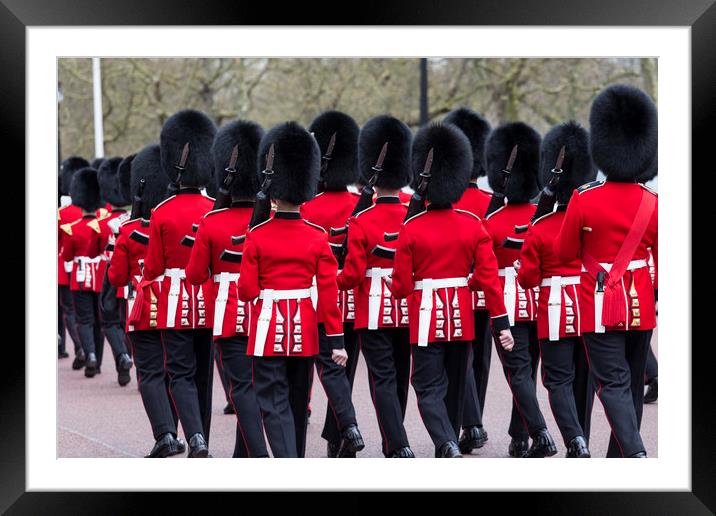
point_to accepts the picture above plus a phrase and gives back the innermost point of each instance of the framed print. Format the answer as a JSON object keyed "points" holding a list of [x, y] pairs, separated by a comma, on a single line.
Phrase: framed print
{"points": [[105, 82]]}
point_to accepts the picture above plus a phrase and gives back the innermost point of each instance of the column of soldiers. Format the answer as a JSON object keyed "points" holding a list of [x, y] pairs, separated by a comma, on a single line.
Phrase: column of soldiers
{"points": [[288, 271]]}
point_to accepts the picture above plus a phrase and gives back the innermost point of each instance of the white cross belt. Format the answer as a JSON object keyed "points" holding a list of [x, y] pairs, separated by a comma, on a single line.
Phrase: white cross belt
{"points": [[269, 296], [375, 294], [554, 303], [224, 279], [428, 286], [175, 275]]}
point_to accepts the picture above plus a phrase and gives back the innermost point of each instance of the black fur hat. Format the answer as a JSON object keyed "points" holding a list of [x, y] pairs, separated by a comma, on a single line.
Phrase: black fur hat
{"points": [[397, 167], [84, 190], [247, 135], [67, 169], [196, 129], [577, 166], [109, 181], [476, 128], [651, 172], [523, 184], [624, 133], [96, 163], [147, 165], [124, 176], [342, 168], [452, 161], [297, 160]]}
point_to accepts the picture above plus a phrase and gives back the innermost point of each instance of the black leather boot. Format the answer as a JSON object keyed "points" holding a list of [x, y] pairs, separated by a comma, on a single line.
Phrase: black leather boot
{"points": [[577, 449], [542, 445], [91, 367], [124, 364], [198, 449], [402, 453], [351, 443], [332, 450], [652, 390], [638, 455], [448, 450], [166, 446], [79, 361], [229, 408], [517, 448], [472, 437]]}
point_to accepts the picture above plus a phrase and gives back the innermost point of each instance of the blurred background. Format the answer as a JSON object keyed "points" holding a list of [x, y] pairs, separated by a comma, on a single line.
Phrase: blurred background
{"points": [[138, 95]]}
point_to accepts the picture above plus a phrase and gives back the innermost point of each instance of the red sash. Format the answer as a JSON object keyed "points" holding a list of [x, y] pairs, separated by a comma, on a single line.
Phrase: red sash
{"points": [[614, 311]]}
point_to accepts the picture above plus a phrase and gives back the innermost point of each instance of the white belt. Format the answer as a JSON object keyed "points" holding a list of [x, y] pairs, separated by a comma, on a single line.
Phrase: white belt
{"points": [[428, 286], [224, 279], [376, 275], [314, 293], [83, 261], [554, 303], [269, 296], [68, 266], [131, 299], [175, 275], [510, 291], [599, 296]]}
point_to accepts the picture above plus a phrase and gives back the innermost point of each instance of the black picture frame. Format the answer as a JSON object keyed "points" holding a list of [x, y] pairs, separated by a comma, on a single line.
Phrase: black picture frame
{"points": [[16, 15]]}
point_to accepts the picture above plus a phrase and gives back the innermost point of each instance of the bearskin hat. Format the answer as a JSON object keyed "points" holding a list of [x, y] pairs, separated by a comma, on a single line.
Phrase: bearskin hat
{"points": [[296, 165], [397, 167], [85, 191], [577, 166], [196, 129], [651, 172], [147, 165], [67, 169], [342, 168], [476, 128], [523, 184], [124, 177], [624, 133], [109, 181], [96, 163], [452, 161], [247, 136]]}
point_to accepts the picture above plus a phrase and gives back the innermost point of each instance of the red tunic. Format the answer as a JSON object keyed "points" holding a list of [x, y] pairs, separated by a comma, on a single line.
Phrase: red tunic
{"points": [[404, 197], [130, 248], [598, 219], [331, 210], [521, 303], [182, 306], [540, 262], [110, 227], [285, 253], [65, 215], [216, 258], [81, 245], [426, 251], [365, 231]]}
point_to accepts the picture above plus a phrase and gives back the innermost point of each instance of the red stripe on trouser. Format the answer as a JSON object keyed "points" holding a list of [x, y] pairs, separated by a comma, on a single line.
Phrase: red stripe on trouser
{"points": [[231, 400], [166, 371], [599, 391], [509, 383]]}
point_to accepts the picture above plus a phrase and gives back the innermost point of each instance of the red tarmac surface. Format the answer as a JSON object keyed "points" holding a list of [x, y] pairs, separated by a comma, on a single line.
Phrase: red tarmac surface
{"points": [[98, 418]]}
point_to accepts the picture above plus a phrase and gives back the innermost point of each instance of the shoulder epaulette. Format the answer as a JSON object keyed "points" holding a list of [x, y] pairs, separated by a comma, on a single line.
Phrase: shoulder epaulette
{"points": [[94, 225], [466, 212], [544, 217], [589, 186], [314, 225], [415, 216], [649, 189], [67, 228], [102, 213], [214, 212], [164, 201], [368, 208]]}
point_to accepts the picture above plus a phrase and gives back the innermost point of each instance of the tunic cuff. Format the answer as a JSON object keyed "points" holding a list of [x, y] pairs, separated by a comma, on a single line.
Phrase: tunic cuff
{"points": [[335, 341], [501, 322]]}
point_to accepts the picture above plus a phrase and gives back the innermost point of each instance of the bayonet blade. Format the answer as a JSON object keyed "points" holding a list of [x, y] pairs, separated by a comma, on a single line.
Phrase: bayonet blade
{"points": [[381, 157], [331, 144], [184, 156], [511, 161], [428, 164], [234, 157], [560, 160], [269, 158]]}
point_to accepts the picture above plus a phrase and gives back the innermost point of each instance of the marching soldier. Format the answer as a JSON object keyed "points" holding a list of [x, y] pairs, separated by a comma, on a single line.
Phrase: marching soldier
{"points": [[337, 137], [110, 320], [66, 215], [281, 257], [475, 200], [147, 189], [124, 176], [217, 256], [81, 246], [565, 164], [381, 321], [184, 315], [610, 224], [431, 269], [512, 159]]}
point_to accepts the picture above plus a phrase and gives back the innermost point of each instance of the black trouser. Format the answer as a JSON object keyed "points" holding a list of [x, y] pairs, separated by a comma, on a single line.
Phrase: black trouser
{"points": [[337, 385], [111, 321], [331, 431], [68, 320], [86, 314], [583, 388], [617, 360], [190, 366], [652, 366], [222, 375], [558, 372], [237, 367], [283, 390], [387, 357], [520, 369], [479, 370], [439, 371], [152, 380]]}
